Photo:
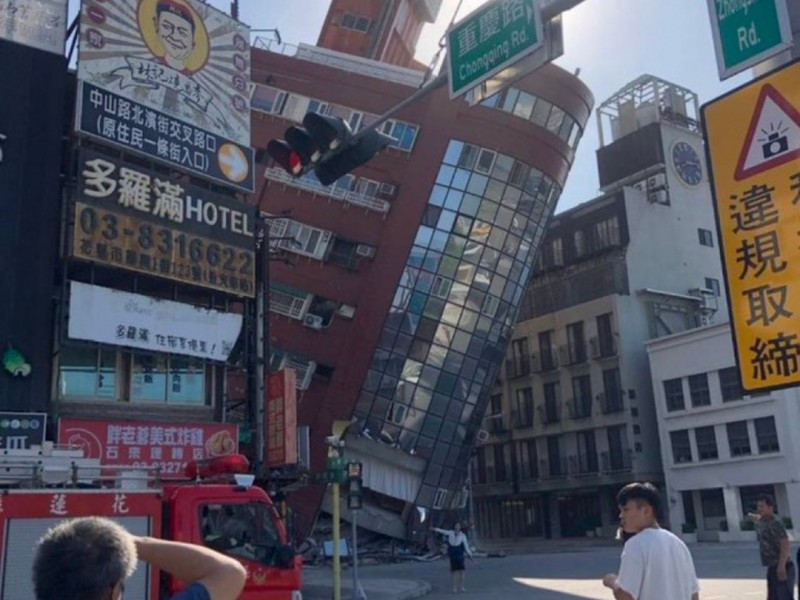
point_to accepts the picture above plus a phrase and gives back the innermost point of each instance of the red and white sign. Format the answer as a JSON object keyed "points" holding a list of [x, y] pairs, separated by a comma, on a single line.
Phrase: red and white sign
{"points": [[149, 444], [281, 418]]}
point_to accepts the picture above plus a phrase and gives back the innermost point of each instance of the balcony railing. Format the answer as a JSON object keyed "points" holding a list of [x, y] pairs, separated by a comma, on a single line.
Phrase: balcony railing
{"points": [[522, 419], [615, 461], [545, 361], [584, 464], [611, 402], [602, 347], [572, 354], [309, 185], [549, 412], [579, 408], [555, 469], [518, 366]]}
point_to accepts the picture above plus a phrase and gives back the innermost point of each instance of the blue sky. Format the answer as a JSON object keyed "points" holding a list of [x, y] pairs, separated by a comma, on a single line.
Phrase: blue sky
{"points": [[611, 41]]}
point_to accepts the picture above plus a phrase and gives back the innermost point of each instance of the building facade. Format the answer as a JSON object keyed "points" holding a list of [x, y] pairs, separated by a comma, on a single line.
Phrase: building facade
{"points": [[406, 277], [721, 446], [383, 30], [573, 417]]}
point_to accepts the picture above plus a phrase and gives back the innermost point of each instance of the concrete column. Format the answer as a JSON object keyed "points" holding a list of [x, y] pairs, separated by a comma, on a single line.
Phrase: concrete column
{"points": [[733, 507], [790, 505], [609, 515], [698, 510], [555, 518], [673, 510]]}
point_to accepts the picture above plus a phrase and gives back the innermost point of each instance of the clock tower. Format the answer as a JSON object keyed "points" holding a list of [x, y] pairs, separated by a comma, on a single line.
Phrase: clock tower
{"points": [[651, 140]]}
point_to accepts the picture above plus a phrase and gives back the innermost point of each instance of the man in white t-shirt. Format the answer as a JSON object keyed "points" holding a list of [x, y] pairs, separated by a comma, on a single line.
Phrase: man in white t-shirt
{"points": [[656, 564]]}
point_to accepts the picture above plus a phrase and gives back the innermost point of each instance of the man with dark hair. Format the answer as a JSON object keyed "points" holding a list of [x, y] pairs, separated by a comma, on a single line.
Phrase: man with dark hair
{"points": [[656, 564], [175, 27], [91, 559], [774, 546]]}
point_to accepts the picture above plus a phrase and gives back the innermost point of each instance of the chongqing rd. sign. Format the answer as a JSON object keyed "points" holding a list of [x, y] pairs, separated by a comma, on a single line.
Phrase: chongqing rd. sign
{"points": [[753, 145], [131, 218]]}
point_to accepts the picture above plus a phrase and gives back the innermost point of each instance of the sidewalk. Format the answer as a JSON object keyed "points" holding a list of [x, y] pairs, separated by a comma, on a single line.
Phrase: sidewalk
{"points": [[318, 585]]}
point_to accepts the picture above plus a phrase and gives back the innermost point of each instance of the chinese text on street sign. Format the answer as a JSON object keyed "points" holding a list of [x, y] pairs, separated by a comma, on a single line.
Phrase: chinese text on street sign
{"points": [[753, 143], [747, 32], [490, 39]]}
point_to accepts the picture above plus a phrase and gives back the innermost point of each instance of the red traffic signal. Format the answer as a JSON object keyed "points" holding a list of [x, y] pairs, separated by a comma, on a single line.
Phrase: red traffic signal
{"points": [[287, 158]]}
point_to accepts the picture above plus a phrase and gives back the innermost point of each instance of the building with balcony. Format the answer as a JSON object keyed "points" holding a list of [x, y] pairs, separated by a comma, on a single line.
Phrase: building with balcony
{"points": [[405, 277], [722, 447], [572, 416]]}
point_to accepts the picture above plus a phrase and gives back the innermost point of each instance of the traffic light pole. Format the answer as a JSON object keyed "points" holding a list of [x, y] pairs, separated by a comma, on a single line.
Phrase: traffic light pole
{"points": [[549, 11]]}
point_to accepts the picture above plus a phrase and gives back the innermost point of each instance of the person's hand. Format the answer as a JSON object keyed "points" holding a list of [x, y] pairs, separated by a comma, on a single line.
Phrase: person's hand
{"points": [[609, 580], [753, 516], [782, 572]]}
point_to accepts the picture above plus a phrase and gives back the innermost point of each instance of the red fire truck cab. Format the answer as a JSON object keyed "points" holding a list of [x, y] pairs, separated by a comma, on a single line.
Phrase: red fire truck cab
{"points": [[234, 518]]}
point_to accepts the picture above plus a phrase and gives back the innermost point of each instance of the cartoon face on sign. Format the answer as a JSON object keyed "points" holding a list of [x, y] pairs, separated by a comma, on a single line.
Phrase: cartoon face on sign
{"points": [[174, 33]]}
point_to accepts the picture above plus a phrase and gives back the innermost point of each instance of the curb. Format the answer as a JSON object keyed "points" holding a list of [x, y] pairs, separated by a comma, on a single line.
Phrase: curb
{"points": [[325, 592]]}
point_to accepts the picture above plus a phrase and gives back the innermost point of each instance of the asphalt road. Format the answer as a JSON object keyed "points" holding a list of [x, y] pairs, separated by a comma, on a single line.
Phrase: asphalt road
{"points": [[727, 572]]}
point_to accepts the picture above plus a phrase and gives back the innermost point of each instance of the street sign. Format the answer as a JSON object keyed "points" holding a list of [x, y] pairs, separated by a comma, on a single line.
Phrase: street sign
{"points": [[551, 49], [747, 32], [753, 150], [490, 39]]}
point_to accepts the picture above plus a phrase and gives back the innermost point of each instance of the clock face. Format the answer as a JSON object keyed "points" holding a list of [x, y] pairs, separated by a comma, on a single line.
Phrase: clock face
{"points": [[687, 163]]}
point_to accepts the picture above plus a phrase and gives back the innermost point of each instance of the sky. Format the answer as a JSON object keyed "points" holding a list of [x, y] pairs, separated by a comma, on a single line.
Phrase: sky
{"points": [[612, 42]]}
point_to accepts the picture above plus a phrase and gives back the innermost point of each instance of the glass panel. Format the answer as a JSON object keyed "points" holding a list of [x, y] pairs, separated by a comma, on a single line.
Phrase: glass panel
{"points": [[460, 179], [453, 199], [434, 308], [449, 265], [554, 120], [510, 100], [445, 175], [470, 205], [494, 191], [524, 106], [541, 112], [453, 152], [149, 378], [446, 220], [438, 195], [455, 246], [107, 379], [186, 381], [477, 184], [78, 376]]}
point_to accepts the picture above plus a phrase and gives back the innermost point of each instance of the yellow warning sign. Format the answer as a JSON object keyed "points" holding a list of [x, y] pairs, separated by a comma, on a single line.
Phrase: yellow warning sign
{"points": [[753, 145]]}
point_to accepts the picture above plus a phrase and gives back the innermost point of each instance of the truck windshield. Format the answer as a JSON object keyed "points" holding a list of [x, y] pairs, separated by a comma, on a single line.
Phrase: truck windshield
{"points": [[246, 531]]}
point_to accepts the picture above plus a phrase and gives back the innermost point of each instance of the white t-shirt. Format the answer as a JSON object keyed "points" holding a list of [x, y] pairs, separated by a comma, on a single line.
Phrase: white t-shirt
{"points": [[657, 565]]}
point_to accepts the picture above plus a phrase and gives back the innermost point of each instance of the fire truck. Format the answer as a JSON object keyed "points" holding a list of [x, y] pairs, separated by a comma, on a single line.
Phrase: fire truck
{"points": [[216, 505]]}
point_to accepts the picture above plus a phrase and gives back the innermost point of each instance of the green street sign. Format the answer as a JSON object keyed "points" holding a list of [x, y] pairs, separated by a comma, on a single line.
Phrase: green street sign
{"points": [[489, 39], [747, 32]]}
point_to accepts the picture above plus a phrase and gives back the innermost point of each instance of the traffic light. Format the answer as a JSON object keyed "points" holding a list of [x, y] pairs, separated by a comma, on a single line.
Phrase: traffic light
{"points": [[355, 489], [325, 145]]}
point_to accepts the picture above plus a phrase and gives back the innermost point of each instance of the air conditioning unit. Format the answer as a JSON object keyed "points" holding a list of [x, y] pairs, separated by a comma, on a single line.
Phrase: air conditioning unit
{"points": [[387, 191], [659, 197], [640, 185], [365, 250], [313, 321], [657, 181]]}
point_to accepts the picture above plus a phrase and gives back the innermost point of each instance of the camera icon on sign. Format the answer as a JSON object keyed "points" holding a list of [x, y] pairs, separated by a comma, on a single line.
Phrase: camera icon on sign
{"points": [[776, 144]]}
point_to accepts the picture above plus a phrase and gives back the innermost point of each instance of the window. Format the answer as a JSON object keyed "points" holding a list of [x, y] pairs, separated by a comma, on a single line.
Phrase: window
{"points": [[557, 249], [713, 506], [582, 397], [738, 438], [612, 392], [706, 237], [299, 238], [161, 379], [706, 443], [404, 134], [551, 412], [244, 530], [439, 499], [288, 301], [368, 187], [681, 448], [554, 456], [525, 407], [546, 353], [618, 449], [529, 459], [605, 335], [499, 463], [576, 343], [579, 240], [607, 233], [698, 390], [319, 106], [344, 253], [356, 22], [766, 435], [673, 392], [267, 99], [87, 372], [587, 452], [713, 285], [731, 384]]}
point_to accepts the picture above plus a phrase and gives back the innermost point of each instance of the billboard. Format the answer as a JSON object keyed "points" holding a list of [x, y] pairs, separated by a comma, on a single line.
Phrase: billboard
{"points": [[149, 444], [182, 58], [118, 318], [281, 419], [40, 24], [143, 220], [129, 125]]}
